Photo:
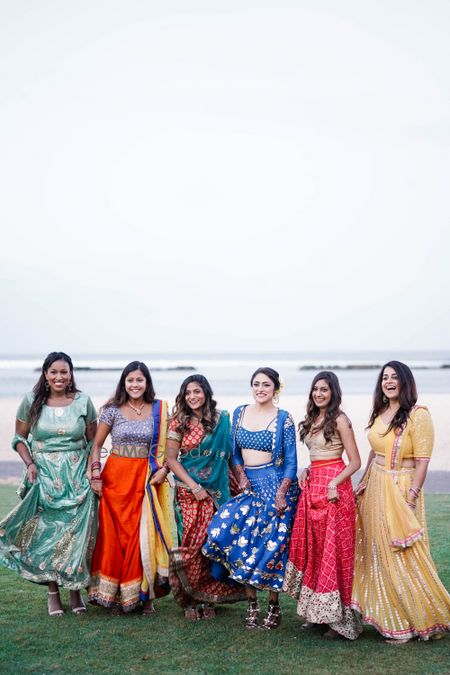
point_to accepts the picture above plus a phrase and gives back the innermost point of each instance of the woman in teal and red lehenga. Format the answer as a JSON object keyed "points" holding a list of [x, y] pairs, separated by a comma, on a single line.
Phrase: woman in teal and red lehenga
{"points": [[198, 452]]}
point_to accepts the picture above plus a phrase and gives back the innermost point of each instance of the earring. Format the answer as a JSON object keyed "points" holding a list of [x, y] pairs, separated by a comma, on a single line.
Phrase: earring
{"points": [[69, 388], [276, 399], [385, 399], [47, 386]]}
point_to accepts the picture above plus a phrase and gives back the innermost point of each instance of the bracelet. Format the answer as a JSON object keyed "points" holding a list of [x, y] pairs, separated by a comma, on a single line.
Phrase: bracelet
{"points": [[96, 465], [96, 478], [29, 464], [415, 491], [413, 504], [331, 486], [197, 489]]}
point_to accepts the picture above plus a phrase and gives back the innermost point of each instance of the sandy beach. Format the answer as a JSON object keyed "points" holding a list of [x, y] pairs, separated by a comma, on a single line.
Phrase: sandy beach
{"points": [[356, 406]]}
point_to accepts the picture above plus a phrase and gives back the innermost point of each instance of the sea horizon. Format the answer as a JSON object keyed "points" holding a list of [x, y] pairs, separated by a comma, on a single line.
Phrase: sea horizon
{"points": [[229, 372]]}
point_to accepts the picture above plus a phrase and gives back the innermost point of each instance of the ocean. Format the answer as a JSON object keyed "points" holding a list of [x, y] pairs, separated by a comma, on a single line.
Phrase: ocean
{"points": [[229, 373]]}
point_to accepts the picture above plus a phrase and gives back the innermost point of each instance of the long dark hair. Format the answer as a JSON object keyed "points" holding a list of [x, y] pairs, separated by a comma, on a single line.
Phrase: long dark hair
{"points": [[41, 393], [120, 396], [271, 374], [333, 410], [407, 396], [182, 412]]}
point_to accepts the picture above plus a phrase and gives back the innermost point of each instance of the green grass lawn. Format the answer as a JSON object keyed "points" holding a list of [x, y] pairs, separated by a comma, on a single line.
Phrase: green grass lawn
{"points": [[32, 642]]}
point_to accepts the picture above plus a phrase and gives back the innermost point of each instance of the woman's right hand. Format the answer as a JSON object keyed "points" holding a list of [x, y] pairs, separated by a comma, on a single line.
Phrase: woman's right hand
{"points": [[32, 472], [201, 495], [97, 486], [303, 478]]}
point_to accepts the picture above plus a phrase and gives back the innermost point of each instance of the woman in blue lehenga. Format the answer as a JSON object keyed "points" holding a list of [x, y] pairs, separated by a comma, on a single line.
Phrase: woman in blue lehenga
{"points": [[249, 535]]}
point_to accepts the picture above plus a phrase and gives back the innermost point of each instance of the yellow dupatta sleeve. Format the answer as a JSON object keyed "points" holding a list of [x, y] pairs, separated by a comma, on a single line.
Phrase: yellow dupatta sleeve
{"points": [[404, 528], [155, 529]]}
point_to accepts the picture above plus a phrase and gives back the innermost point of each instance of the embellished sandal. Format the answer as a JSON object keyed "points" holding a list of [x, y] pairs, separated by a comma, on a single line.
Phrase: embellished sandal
{"points": [[192, 614], [54, 612], [148, 609], [273, 617], [251, 618], [397, 643], [209, 611], [81, 608]]}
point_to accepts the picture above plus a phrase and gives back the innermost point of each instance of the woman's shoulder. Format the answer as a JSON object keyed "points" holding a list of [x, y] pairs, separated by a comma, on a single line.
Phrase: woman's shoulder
{"points": [[108, 412], [110, 406], [285, 415], [343, 421], [418, 414], [81, 397], [237, 412]]}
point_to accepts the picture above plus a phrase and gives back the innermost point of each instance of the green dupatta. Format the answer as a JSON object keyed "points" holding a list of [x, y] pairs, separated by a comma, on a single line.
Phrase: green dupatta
{"points": [[208, 462]]}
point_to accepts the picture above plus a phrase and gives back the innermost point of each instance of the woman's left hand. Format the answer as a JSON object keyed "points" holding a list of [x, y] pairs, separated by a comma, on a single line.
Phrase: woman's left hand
{"points": [[158, 477], [280, 503]]}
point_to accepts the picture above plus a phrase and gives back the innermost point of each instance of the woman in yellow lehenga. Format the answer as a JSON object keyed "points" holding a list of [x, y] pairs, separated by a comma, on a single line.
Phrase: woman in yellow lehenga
{"points": [[396, 587]]}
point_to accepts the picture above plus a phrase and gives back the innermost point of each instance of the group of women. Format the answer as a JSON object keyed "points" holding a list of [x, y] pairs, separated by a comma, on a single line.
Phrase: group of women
{"points": [[243, 520]]}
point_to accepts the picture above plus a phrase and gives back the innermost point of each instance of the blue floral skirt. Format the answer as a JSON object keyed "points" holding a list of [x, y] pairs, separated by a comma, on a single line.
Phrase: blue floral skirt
{"points": [[248, 537]]}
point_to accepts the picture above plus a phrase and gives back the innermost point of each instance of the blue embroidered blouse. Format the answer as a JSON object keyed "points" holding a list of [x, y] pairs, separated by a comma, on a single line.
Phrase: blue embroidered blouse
{"points": [[283, 447]]}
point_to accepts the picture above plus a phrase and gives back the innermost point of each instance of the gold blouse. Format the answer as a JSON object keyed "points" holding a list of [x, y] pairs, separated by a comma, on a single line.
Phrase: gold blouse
{"points": [[319, 449], [414, 442]]}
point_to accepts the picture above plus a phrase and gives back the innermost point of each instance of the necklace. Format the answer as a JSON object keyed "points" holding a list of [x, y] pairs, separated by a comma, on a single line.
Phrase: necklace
{"points": [[138, 411]]}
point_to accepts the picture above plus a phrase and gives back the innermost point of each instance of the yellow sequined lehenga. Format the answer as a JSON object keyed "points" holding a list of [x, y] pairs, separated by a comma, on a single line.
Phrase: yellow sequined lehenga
{"points": [[396, 587]]}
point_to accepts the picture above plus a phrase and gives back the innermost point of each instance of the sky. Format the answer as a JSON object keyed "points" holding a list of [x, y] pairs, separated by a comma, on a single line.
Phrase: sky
{"points": [[224, 176]]}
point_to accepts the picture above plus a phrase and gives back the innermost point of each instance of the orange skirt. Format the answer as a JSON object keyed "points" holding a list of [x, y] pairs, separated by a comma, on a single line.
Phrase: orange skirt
{"points": [[116, 571]]}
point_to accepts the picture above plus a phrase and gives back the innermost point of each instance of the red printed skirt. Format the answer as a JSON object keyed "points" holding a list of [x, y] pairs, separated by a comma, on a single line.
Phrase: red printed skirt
{"points": [[189, 575], [319, 573]]}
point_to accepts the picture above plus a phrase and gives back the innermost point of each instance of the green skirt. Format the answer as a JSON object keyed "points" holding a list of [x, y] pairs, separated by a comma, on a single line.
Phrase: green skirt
{"points": [[50, 534]]}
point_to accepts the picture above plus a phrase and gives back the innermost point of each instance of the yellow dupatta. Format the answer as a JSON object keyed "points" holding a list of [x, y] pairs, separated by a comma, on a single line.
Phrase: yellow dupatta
{"points": [[403, 526], [155, 529]]}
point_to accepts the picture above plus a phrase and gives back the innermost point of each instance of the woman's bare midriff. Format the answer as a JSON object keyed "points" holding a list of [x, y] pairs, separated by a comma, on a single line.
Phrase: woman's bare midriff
{"points": [[406, 464], [255, 457]]}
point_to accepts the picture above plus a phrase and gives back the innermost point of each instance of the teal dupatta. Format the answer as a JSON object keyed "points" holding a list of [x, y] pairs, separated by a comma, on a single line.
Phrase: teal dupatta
{"points": [[208, 462]]}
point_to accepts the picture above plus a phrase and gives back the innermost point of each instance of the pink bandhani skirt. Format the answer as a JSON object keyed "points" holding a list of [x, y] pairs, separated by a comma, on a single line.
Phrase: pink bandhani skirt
{"points": [[319, 573]]}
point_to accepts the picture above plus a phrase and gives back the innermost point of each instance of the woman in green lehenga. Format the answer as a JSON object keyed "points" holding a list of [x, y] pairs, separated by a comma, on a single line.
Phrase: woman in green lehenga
{"points": [[49, 536]]}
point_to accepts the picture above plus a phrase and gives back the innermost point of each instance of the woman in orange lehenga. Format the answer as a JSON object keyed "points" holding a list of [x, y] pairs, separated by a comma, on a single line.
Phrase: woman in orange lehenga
{"points": [[130, 562], [396, 588], [319, 573], [198, 452]]}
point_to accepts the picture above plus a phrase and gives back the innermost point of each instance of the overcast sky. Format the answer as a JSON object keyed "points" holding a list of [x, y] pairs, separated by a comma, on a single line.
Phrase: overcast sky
{"points": [[224, 175]]}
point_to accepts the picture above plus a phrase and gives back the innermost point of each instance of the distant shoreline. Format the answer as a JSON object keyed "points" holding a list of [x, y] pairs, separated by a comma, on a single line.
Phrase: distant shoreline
{"points": [[305, 367]]}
